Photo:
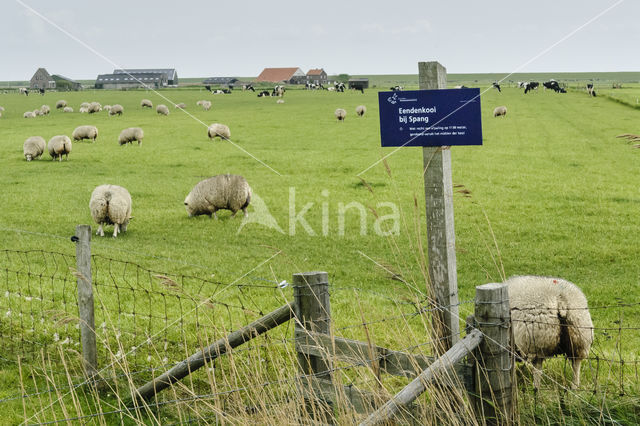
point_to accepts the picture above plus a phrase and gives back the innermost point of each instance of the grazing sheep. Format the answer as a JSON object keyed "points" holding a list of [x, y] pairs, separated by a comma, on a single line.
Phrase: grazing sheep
{"points": [[85, 132], [1, 109], [83, 110], [221, 192], [37, 112], [219, 130], [500, 111], [131, 134], [360, 110], [33, 147], [29, 114], [181, 105], [206, 105], [162, 109], [280, 101], [58, 146], [67, 109], [146, 103], [45, 109], [550, 317], [116, 109], [84, 105], [111, 205], [107, 108], [61, 104], [340, 114], [94, 107]]}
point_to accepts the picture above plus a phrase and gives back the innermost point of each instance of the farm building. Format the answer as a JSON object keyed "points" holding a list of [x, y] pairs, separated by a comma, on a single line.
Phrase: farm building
{"points": [[227, 81], [358, 83], [171, 73], [131, 81], [64, 83], [42, 80], [282, 75], [317, 76]]}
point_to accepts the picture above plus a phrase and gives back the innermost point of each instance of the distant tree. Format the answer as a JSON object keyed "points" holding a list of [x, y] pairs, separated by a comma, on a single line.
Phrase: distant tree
{"points": [[343, 78]]}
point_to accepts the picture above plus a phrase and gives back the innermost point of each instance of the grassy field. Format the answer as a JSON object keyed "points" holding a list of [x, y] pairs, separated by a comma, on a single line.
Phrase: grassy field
{"points": [[552, 191]]}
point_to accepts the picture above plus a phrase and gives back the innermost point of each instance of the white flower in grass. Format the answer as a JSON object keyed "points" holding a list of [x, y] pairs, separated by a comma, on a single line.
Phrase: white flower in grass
{"points": [[77, 326], [8, 314], [149, 358], [7, 294], [65, 341], [42, 320], [211, 369], [166, 345], [134, 349], [165, 360], [119, 354], [104, 324], [28, 298], [56, 337]]}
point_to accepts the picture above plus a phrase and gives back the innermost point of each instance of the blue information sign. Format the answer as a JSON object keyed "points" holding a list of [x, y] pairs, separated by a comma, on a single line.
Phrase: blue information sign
{"points": [[430, 117]]}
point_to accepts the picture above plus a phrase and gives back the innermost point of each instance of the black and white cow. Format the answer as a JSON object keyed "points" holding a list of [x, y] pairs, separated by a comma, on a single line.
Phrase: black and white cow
{"points": [[530, 85], [339, 86], [496, 86], [590, 90], [264, 93]]}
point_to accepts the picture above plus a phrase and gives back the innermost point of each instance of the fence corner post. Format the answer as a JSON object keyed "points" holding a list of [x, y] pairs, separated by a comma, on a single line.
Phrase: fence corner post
{"points": [[312, 313], [85, 299], [494, 360]]}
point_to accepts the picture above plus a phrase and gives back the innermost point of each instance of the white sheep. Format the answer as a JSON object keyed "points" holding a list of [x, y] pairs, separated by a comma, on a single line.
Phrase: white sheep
{"points": [[110, 205], [280, 101], [29, 114], [221, 192], [162, 109], [37, 113], [83, 109], [131, 134], [33, 147], [361, 110], [61, 104], [500, 111], [84, 105], [85, 132], [181, 105], [107, 108], [549, 317], [58, 146], [219, 130], [94, 107], [67, 109], [206, 105], [146, 103], [45, 109], [340, 114], [116, 109], [1, 109]]}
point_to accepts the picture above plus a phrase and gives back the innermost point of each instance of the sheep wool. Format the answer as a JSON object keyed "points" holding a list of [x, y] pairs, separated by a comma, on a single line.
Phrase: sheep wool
{"points": [[131, 134], [162, 109], [360, 110], [85, 132], [45, 109], [67, 109], [1, 109], [219, 130], [340, 114], [500, 111], [110, 205], [146, 103], [58, 146], [33, 147], [181, 105], [29, 114], [550, 317], [61, 104], [116, 109], [206, 105], [83, 110], [94, 107], [280, 101], [221, 192]]}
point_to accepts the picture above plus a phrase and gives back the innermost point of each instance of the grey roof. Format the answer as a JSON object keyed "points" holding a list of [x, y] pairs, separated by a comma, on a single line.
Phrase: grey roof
{"points": [[64, 78], [220, 80], [170, 72], [132, 78], [358, 79]]}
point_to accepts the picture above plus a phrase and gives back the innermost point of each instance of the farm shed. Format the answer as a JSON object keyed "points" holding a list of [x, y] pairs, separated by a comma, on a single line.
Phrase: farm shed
{"points": [[282, 75], [317, 76], [131, 81], [358, 83], [65, 83], [171, 73], [227, 81], [42, 80]]}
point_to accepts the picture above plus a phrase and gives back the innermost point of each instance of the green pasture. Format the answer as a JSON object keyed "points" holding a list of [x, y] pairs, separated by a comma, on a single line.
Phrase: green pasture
{"points": [[552, 191]]}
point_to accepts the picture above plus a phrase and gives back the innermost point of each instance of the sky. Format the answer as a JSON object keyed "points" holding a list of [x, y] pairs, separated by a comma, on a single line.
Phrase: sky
{"points": [[207, 38]]}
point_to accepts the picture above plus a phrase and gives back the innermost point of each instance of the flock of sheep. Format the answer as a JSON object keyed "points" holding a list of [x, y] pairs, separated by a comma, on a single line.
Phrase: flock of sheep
{"points": [[550, 316]]}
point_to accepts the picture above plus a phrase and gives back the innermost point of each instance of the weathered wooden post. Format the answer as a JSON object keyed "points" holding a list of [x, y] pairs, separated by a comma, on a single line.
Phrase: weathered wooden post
{"points": [[312, 313], [85, 299], [438, 188], [494, 360]]}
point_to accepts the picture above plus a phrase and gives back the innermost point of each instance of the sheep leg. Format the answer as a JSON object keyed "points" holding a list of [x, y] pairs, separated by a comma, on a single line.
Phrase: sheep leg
{"points": [[100, 231], [214, 214], [576, 373], [537, 372], [244, 210], [116, 229]]}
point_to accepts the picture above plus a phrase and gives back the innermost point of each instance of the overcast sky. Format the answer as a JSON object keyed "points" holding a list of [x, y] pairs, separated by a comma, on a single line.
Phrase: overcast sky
{"points": [[204, 38]]}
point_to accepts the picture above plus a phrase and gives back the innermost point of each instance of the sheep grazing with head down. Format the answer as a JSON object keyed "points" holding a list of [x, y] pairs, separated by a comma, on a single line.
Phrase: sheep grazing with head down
{"points": [[549, 317], [500, 111], [219, 130], [181, 105], [340, 114], [107, 108], [360, 110], [206, 105], [85, 132], [58, 146], [45, 109], [111, 205], [83, 110], [67, 109], [162, 109], [116, 109], [29, 114], [94, 107], [61, 104], [146, 103], [221, 192], [131, 134], [33, 147]]}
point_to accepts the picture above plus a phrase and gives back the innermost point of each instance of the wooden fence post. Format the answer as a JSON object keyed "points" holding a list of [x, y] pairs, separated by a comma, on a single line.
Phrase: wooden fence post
{"points": [[85, 299], [312, 313], [494, 360], [438, 188]]}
